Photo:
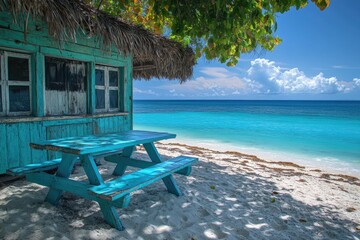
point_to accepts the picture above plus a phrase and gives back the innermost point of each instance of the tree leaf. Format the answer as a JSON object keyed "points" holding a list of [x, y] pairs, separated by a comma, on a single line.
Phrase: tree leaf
{"points": [[218, 29]]}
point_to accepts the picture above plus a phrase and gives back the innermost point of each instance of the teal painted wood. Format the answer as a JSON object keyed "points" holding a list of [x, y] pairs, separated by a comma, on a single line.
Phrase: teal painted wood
{"points": [[10, 43], [54, 132], [169, 181], [84, 56], [128, 183], [107, 153], [24, 139], [111, 216], [122, 86], [109, 212], [38, 131], [91, 90], [13, 145], [34, 167], [103, 142], [64, 170], [132, 162], [103, 125], [38, 85], [121, 166], [67, 130], [74, 187], [129, 94], [59, 183], [88, 163], [77, 120], [3, 147], [116, 125]]}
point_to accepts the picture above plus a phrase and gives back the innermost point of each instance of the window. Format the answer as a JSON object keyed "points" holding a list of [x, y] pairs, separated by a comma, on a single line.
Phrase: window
{"points": [[15, 84], [106, 89], [65, 86]]}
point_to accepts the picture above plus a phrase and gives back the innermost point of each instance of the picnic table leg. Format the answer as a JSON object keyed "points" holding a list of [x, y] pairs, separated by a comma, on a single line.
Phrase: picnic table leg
{"points": [[121, 167], [110, 214], [169, 181], [64, 170]]}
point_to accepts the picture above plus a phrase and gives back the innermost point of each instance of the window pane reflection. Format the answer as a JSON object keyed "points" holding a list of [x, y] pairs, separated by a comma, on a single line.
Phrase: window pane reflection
{"points": [[18, 69], [114, 102], [19, 98], [99, 77], [113, 78], [100, 99]]}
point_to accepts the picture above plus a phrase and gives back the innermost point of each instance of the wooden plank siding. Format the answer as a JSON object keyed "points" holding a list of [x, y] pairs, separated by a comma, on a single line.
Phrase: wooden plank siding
{"points": [[16, 133], [37, 134], [24, 139], [3, 149], [16, 137]]}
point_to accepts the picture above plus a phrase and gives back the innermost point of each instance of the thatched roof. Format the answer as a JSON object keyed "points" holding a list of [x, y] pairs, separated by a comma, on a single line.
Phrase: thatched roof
{"points": [[153, 55]]}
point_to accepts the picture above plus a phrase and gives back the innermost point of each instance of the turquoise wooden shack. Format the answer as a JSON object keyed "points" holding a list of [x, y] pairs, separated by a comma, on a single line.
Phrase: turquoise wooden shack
{"points": [[66, 69]]}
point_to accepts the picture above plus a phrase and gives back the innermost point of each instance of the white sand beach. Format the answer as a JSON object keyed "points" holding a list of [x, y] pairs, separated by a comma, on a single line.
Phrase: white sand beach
{"points": [[228, 195]]}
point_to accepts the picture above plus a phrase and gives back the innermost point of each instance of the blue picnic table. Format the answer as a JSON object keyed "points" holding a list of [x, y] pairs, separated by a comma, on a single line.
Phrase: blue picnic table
{"points": [[116, 148]]}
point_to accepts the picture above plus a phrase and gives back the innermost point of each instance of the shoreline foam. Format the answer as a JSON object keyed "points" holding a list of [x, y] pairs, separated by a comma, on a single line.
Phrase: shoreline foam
{"points": [[326, 164]]}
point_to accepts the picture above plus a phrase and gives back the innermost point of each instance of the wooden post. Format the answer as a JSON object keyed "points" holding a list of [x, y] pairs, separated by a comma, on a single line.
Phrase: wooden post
{"points": [[65, 168], [121, 166], [109, 212], [169, 181]]}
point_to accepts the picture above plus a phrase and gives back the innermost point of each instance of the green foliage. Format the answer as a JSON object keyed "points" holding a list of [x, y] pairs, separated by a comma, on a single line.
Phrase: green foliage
{"points": [[218, 29]]}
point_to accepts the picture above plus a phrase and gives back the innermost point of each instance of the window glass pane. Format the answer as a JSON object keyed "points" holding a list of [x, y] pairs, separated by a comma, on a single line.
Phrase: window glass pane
{"points": [[99, 77], [100, 99], [18, 69], [19, 98], [114, 102], [113, 78]]}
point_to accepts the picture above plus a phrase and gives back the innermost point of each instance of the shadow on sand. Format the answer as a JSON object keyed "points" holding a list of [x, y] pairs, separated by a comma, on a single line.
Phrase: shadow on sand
{"points": [[217, 204]]}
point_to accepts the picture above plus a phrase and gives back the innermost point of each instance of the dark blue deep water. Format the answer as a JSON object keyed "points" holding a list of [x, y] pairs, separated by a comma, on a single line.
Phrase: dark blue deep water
{"points": [[328, 132]]}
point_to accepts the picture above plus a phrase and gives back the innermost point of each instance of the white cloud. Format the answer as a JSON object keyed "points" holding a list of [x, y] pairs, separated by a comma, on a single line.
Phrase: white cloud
{"points": [[344, 67], [216, 72], [208, 86], [265, 76], [149, 91], [356, 81]]}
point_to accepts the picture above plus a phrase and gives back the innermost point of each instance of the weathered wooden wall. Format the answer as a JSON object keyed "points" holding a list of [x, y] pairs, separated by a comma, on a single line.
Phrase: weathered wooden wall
{"points": [[17, 132]]}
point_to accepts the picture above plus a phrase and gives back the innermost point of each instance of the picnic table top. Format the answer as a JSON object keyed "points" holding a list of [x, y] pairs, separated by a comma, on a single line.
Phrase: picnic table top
{"points": [[93, 144]]}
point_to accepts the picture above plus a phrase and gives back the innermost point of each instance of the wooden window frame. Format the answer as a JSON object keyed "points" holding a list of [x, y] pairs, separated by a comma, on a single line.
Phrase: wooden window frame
{"points": [[6, 83], [107, 89]]}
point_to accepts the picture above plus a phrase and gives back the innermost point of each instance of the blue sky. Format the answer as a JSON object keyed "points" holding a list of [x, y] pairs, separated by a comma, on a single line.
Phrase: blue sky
{"points": [[319, 59]]}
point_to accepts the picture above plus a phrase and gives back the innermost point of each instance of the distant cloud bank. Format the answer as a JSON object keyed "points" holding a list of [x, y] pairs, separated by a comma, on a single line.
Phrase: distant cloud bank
{"points": [[263, 77]]}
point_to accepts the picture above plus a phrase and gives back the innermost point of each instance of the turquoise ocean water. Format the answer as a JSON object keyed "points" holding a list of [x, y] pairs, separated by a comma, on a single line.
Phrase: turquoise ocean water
{"points": [[322, 133]]}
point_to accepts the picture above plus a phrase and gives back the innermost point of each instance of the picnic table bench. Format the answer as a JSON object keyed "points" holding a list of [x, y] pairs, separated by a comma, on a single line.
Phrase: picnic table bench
{"points": [[116, 148]]}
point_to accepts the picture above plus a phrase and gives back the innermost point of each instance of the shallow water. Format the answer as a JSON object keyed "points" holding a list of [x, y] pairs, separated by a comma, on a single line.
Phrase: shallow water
{"points": [[325, 133]]}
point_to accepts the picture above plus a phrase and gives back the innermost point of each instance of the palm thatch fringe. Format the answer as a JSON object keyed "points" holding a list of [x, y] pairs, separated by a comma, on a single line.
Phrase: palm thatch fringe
{"points": [[67, 17]]}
